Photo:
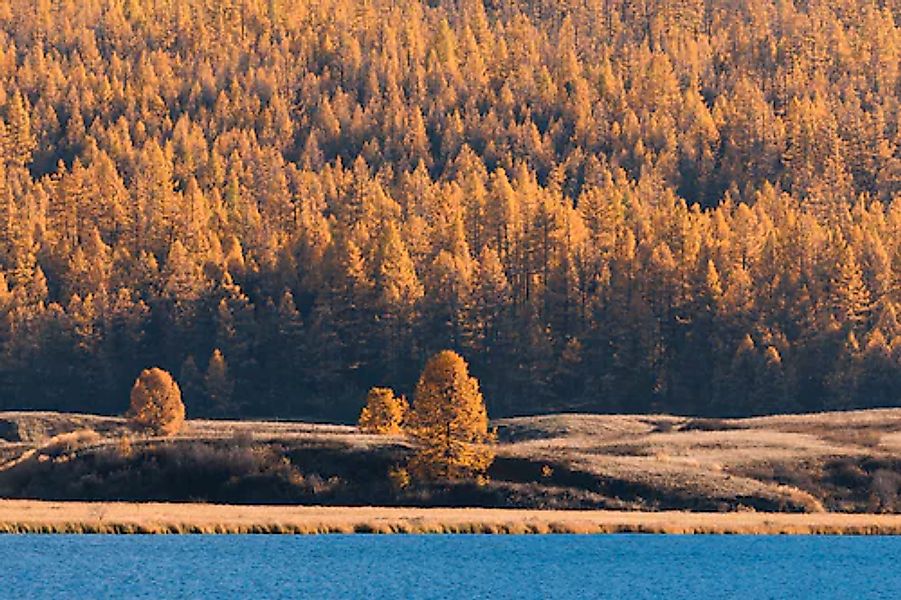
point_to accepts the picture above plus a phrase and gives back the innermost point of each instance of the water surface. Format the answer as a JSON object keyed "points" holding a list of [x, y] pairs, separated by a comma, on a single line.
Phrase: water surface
{"points": [[452, 566]]}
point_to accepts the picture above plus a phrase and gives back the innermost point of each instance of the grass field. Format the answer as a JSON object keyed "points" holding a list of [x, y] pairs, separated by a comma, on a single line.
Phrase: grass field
{"points": [[842, 461], [847, 462], [24, 516]]}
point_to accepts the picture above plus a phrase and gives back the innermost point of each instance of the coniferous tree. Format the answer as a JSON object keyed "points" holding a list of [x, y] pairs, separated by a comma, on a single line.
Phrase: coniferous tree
{"points": [[383, 413], [156, 403], [566, 192], [219, 385], [449, 421]]}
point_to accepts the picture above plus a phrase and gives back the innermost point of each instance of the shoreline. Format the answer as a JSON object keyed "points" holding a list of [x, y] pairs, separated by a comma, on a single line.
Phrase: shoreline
{"points": [[48, 517]]}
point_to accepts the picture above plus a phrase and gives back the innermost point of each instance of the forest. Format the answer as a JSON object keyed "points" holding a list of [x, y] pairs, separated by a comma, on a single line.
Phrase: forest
{"points": [[689, 206]]}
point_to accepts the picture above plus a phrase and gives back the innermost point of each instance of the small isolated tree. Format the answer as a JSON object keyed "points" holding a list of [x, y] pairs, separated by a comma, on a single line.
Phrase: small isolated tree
{"points": [[156, 403], [191, 384], [384, 412], [449, 422], [219, 384]]}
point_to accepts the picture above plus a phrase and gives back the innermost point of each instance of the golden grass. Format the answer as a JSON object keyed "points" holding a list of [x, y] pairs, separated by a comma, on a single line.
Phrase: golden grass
{"points": [[766, 462], [725, 459], [26, 516]]}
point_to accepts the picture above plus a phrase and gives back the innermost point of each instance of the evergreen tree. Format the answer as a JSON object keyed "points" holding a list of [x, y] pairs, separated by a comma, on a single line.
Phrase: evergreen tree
{"points": [[219, 385]]}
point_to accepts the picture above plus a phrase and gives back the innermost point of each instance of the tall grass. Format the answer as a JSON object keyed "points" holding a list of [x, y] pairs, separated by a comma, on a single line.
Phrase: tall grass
{"points": [[448, 521]]}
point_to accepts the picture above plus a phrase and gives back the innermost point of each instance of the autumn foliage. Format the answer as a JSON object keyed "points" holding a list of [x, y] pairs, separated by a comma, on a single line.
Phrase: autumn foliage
{"points": [[384, 412], [156, 403], [606, 205], [449, 422]]}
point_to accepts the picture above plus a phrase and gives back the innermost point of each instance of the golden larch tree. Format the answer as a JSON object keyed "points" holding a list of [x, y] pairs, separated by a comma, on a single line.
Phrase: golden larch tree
{"points": [[384, 412], [850, 296], [156, 403], [449, 422], [399, 286]]}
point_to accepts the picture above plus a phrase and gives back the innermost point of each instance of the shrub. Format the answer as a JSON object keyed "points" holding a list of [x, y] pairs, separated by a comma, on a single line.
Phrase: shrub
{"points": [[399, 477], [124, 447], [66, 443], [885, 488], [384, 412], [156, 403]]}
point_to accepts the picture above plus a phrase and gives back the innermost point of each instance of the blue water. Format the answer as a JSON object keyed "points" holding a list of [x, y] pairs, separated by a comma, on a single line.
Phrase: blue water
{"points": [[359, 566]]}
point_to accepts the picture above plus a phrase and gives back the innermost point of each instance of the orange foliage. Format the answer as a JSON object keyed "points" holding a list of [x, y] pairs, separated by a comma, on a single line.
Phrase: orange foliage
{"points": [[156, 403]]}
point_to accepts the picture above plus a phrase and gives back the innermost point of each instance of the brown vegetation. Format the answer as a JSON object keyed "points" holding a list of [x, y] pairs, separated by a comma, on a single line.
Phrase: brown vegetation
{"points": [[834, 462], [768, 463], [118, 518]]}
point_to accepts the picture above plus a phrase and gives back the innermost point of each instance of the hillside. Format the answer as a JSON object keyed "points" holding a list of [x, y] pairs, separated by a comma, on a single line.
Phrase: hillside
{"points": [[802, 463], [605, 206]]}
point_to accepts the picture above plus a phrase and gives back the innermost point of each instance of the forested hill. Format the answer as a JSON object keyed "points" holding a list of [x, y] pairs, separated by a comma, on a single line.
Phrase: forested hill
{"points": [[616, 205]]}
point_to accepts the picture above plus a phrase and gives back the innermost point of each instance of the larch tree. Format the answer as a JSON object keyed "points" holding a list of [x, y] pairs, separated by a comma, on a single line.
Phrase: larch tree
{"points": [[191, 385], [399, 286], [219, 385], [449, 422], [21, 134], [181, 194], [383, 413], [850, 296], [399, 291], [156, 403]]}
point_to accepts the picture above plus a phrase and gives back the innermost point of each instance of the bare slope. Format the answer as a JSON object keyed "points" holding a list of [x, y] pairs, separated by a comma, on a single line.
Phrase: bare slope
{"points": [[847, 461]]}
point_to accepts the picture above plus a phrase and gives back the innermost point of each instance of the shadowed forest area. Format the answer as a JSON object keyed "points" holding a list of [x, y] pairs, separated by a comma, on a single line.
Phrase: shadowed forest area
{"points": [[687, 206]]}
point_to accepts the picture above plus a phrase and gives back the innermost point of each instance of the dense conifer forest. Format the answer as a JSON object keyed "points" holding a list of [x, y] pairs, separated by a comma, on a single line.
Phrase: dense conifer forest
{"points": [[690, 206]]}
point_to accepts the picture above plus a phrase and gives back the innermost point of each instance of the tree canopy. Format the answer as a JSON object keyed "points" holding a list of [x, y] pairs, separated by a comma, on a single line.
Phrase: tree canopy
{"points": [[606, 205]]}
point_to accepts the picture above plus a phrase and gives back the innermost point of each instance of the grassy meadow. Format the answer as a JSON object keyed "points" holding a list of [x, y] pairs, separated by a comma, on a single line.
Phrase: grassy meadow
{"points": [[811, 464]]}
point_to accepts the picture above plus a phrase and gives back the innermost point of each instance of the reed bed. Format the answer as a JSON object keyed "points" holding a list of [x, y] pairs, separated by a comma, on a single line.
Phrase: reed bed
{"points": [[37, 517]]}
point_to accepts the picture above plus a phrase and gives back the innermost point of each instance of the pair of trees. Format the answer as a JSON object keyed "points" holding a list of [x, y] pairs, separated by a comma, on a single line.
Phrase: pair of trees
{"points": [[448, 420], [156, 400]]}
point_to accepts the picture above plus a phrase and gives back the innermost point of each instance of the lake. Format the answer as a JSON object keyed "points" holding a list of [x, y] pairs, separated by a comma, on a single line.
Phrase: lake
{"points": [[414, 566]]}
